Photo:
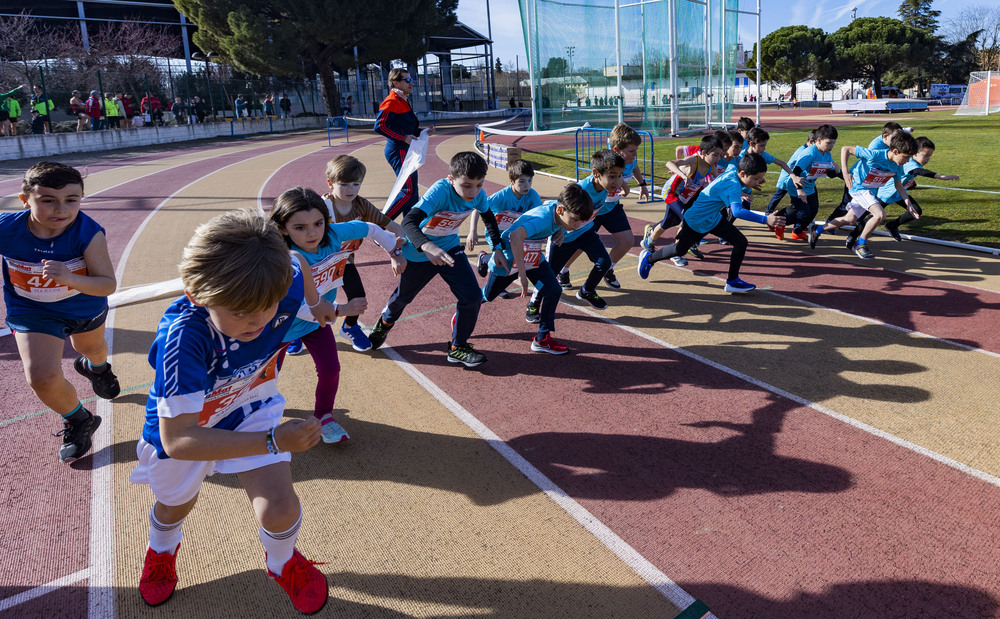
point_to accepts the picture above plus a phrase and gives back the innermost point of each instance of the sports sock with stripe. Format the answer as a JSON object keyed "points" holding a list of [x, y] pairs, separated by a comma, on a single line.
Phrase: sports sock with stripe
{"points": [[164, 537], [279, 546]]}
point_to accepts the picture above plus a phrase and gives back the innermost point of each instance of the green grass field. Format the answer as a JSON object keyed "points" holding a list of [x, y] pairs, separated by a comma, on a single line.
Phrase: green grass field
{"points": [[966, 145]]}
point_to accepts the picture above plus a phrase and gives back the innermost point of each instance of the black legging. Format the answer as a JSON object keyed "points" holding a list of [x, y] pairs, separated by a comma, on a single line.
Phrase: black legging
{"points": [[800, 214], [688, 238], [353, 288]]}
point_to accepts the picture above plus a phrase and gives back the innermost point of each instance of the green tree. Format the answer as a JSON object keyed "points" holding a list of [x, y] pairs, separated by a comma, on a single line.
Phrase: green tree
{"points": [[919, 14], [871, 46], [267, 37], [556, 67], [791, 54]]}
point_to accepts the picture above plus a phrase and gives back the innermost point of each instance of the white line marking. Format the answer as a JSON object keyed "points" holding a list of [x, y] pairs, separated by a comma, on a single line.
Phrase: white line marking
{"points": [[101, 598], [260, 193], [649, 572], [55, 585]]}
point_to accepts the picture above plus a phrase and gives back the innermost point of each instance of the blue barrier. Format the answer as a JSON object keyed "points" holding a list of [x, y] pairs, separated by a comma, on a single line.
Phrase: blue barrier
{"points": [[588, 140], [336, 123]]}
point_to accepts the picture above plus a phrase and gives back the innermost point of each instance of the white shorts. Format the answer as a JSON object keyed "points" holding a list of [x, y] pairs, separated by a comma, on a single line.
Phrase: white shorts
{"points": [[175, 482], [862, 201]]}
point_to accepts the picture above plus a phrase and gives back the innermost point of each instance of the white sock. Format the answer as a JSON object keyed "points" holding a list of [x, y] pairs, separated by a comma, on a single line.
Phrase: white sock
{"points": [[164, 537], [564, 270], [279, 546]]}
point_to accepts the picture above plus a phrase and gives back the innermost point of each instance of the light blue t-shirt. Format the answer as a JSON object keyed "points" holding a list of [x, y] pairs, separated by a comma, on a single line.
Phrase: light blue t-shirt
{"points": [[725, 191], [599, 198], [506, 206], [873, 169], [878, 144], [888, 194], [813, 164], [768, 159], [446, 210], [791, 164], [539, 224], [327, 268]]}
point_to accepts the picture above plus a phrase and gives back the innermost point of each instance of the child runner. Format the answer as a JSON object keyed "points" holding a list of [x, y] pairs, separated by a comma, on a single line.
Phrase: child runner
{"points": [[625, 142], [879, 142], [913, 168], [57, 276], [304, 221], [780, 193], [706, 217], [433, 248], [524, 248], [214, 405], [691, 175], [743, 126], [602, 186], [874, 169], [811, 163], [683, 152]]}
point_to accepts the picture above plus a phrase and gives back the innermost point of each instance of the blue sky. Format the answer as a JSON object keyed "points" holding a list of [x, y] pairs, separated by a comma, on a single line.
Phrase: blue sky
{"points": [[828, 15]]}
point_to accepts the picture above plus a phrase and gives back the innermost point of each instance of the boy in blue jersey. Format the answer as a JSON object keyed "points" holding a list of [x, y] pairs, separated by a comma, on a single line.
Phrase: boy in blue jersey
{"points": [[912, 169], [810, 164], [874, 169], [743, 126], [705, 216], [879, 142], [603, 187], [214, 405], [780, 193], [625, 141], [57, 276], [507, 205], [524, 248], [433, 248]]}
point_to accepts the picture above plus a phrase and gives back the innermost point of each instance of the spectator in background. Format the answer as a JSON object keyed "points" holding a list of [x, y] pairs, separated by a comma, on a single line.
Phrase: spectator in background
{"points": [[198, 110], [350, 105], [5, 100], [44, 105], [179, 110], [37, 122], [124, 119], [79, 109], [94, 111], [286, 105], [128, 105], [151, 105], [269, 105], [111, 112], [15, 114]]}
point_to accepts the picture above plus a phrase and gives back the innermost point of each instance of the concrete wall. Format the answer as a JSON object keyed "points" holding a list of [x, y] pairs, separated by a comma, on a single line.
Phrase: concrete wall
{"points": [[47, 145]]}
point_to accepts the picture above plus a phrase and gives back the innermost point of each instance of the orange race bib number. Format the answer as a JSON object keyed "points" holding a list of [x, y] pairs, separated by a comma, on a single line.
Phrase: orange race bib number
{"points": [[818, 169], [29, 283], [876, 178], [236, 392], [444, 223], [533, 252], [506, 218]]}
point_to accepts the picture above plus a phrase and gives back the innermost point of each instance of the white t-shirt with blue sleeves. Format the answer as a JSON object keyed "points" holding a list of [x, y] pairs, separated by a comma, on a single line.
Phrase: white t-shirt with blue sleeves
{"points": [[873, 170], [446, 210], [539, 224], [725, 191]]}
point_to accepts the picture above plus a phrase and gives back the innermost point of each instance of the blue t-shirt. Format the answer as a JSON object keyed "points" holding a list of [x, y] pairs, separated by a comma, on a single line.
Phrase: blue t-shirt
{"points": [[539, 224], [200, 370], [25, 289], [791, 164], [878, 144], [768, 159], [873, 169], [507, 206], [630, 169], [888, 194], [327, 266], [813, 164], [599, 197], [725, 191], [446, 210]]}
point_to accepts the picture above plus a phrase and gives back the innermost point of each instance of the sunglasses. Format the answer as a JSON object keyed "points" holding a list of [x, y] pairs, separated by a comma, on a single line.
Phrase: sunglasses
{"points": [[408, 80]]}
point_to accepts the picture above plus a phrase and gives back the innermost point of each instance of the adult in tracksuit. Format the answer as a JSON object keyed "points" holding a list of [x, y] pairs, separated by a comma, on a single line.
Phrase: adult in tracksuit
{"points": [[397, 122]]}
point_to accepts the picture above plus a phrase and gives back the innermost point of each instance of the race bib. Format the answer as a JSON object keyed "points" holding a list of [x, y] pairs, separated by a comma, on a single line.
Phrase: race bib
{"points": [[327, 274], [533, 251], [236, 392], [876, 178], [351, 245], [444, 223], [688, 193], [506, 218], [29, 283], [818, 169]]}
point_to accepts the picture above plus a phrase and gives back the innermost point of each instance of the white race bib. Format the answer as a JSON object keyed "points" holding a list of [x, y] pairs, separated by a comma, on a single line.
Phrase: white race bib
{"points": [[444, 223], [533, 251], [29, 283]]}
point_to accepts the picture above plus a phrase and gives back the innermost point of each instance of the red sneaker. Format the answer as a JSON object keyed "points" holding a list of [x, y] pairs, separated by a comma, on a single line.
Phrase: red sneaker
{"points": [[159, 576], [303, 583], [799, 236], [548, 344], [779, 231]]}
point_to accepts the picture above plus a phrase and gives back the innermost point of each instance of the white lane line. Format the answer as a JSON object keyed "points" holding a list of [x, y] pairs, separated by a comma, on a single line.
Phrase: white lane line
{"points": [[642, 566], [955, 464], [101, 598], [55, 585]]}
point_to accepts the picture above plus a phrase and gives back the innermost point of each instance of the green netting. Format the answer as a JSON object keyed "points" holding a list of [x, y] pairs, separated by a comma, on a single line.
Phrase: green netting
{"points": [[573, 70]]}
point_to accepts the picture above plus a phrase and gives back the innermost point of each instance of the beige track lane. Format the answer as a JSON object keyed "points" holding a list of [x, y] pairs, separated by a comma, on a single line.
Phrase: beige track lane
{"points": [[416, 516]]}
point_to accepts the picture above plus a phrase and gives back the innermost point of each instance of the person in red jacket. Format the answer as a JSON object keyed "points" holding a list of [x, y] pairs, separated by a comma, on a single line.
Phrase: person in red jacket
{"points": [[151, 105], [93, 109]]}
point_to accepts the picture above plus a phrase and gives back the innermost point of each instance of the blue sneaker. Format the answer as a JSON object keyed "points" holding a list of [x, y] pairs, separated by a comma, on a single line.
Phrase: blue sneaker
{"points": [[694, 251], [354, 334], [644, 265], [738, 285], [295, 348]]}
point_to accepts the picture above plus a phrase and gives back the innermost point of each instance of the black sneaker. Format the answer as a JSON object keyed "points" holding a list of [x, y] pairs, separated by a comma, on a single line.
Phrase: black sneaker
{"points": [[893, 228], [483, 267], [864, 252], [611, 280], [76, 437], [505, 295], [593, 298], [378, 334], [849, 243], [813, 235], [563, 279], [465, 355], [533, 313], [105, 384]]}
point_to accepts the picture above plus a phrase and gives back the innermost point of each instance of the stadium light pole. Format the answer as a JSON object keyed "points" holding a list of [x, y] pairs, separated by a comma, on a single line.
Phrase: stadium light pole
{"points": [[208, 75]]}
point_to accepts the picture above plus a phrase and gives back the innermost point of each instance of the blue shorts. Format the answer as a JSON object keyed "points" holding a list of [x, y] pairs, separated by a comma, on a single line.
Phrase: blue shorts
{"points": [[55, 326], [613, 221]]}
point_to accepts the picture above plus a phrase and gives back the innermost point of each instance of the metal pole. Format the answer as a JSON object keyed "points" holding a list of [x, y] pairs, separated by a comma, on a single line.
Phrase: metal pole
{"points": [[642, 33], [722, 68], [708, 64], [357, 79], [100, 86], [427, 90], [532, 59], [675, 119], [493, 77], [758, 62], [618, 63], [989, 80], [208, 79]]}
